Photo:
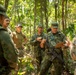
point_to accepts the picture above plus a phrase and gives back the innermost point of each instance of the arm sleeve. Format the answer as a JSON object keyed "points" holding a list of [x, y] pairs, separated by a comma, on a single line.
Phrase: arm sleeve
{"points": [[9, 50], [33, 40], [64, 38], [23, 36], [45, 36], [51, 42]]}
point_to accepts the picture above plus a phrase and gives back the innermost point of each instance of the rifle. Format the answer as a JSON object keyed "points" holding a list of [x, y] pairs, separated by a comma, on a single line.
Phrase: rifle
{"points": [[52, 51]]}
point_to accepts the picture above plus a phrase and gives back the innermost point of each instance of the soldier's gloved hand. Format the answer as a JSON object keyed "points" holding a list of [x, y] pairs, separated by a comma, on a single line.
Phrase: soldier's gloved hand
{"points": [[39, 39]]}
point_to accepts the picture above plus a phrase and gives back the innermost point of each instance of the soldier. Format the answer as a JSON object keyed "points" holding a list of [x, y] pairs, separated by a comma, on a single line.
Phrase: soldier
{"points": [[6, 24], [38, 40], [8, 52], [54, 39], [19, 38], [73, 53]]}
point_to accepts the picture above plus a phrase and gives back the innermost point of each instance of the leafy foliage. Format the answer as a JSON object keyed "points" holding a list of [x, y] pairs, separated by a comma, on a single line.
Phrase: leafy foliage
{"points": [[24, 11], [70, 31]]}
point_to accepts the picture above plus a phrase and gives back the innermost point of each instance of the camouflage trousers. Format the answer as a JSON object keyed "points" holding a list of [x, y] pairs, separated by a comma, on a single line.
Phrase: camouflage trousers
{"points": [[46, 64], [38, 63], [39, 58]]}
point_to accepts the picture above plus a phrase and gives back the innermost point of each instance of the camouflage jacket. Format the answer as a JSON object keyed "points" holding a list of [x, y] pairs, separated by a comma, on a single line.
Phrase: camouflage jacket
{"points": [[18, 39], [8, 52], [54, 39], [36, 44]]}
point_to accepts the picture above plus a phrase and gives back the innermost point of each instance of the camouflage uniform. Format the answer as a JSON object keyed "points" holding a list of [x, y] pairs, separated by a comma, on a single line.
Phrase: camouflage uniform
{"points": [[73, 51], [38, 51], [8, 52], [53, 39], [18, 39]]}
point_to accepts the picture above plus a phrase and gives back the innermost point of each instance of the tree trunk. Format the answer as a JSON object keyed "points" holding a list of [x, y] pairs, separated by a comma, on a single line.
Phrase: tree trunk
{"points": [[63, 26], [46, 13], [35, 17], [6, 3], [55, 11], [66, 13], [58, 13], [41, 12]]}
